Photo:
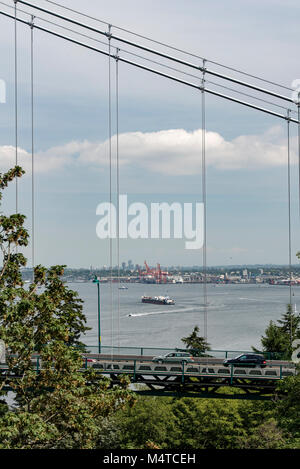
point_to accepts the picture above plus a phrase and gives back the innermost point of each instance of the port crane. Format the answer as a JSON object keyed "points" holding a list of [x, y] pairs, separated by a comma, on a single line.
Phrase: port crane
{"points": [[153, 275]]}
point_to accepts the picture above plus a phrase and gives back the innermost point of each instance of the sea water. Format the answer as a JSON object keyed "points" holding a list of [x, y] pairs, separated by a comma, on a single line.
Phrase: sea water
{"points": [[237, 314]]}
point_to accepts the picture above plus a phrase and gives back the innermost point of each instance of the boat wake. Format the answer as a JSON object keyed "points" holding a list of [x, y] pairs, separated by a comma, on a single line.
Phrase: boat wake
{"points": [[260, 300], [152, 313], [249, 299]]}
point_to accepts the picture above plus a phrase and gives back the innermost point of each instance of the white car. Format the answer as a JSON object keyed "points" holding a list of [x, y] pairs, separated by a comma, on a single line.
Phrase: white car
{"points": [[174, 357]]}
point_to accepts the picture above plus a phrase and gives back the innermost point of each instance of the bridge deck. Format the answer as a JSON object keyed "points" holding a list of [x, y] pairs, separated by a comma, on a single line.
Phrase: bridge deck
{"points": [[212, 369], [201, 378]]}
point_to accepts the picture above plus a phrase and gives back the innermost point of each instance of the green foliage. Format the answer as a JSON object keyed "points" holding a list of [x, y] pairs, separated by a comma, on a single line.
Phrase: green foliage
{"points": [[195, 343], [186, 424], [266, 436], [150, 420], [208, 424], [274, 341], [288, 407], [290, 323], [62, 405], [279, 337]]}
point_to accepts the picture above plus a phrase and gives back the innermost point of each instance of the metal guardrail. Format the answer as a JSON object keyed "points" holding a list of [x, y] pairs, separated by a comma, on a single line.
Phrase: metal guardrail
{"points": [[153, 351]]}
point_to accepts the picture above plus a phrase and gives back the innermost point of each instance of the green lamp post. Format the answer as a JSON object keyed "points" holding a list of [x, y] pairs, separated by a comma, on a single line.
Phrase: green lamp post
{"points": [[97, 281]]}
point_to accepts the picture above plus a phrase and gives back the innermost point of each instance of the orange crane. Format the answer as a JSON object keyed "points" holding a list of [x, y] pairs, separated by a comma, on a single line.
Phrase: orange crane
{"points": [[148, 270], [157, 274], [147, 274], [161, 275]]}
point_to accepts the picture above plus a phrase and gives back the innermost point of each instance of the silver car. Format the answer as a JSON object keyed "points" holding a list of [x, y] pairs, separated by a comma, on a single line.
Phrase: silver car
{"points": [[174, 357]]}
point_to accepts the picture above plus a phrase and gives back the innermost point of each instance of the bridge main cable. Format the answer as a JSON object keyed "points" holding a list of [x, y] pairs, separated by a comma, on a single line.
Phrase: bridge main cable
{"points": [[160, 54], [157, 72], [176, 49]]}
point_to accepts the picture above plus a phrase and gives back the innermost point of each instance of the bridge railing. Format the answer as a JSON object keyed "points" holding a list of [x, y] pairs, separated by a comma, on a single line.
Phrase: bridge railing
{"points": [[157, 351], [134, 367], [154, 351]]}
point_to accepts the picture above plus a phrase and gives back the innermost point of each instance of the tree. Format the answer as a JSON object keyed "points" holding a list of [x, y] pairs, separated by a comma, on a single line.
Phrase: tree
{"points": [[189, 423], [148, 424], [206, 424], [266, 436], [279, 337], [288, 406], [197, 344], [274, 341], [290, 324], [62, 405]]}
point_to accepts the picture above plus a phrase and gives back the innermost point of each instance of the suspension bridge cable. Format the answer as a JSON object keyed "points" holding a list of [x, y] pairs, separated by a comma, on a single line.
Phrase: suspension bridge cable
{"points": [[152, 51], [16, 102], [157, 72], [80, 13], [289, 207], [299, 147], [110, 188], [32, 150], [154, 61], [151, 60], [118, 191], [204, 202], [169, 46]]}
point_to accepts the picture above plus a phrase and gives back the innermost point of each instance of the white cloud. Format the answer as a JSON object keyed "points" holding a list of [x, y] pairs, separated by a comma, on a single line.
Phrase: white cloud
{"points": [[174, 152], [49, 161]]}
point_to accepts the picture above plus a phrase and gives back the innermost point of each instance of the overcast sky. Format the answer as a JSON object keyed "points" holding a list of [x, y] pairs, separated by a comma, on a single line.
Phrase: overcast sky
{"points": [[160, 131]]}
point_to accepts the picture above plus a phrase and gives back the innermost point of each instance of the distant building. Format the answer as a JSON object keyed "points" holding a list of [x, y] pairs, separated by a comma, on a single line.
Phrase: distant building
{"points": [[245, 273]]}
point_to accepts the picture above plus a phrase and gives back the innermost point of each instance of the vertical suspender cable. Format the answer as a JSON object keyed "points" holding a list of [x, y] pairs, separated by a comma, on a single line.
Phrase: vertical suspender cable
{"points": [[32, 153], [16, 102], [298, 125], [289, 215], [204, 201], [118, 190], [110, 182]]}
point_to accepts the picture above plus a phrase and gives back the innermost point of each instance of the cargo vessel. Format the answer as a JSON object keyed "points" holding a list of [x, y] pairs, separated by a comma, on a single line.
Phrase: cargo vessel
{"points": [[158, 300]]}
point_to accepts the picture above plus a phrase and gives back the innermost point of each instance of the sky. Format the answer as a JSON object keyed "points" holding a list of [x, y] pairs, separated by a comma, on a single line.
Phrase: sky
{"points": [[160, 136]]}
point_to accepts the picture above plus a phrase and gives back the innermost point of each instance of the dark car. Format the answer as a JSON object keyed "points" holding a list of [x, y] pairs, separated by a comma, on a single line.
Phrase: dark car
{"points": [[247, 360]]}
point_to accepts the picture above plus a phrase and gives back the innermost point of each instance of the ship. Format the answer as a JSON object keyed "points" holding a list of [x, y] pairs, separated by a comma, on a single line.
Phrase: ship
{"points": [[158, 300]]}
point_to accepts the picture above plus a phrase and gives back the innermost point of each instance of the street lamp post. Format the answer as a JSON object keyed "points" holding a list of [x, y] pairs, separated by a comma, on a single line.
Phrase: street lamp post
{"points": [[97, 281]]}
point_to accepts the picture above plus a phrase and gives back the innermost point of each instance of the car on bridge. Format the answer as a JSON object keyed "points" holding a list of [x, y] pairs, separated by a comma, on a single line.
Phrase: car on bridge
{"points": [[247, 361], [174, 357]]}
